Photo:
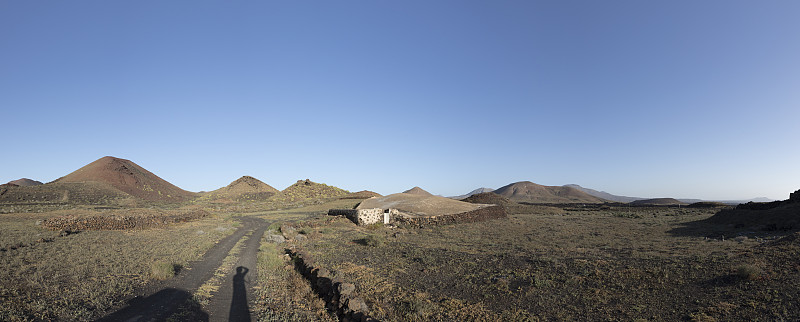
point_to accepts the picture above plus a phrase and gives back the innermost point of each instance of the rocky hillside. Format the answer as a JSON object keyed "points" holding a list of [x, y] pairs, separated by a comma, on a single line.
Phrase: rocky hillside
{"points": [[307, 189], [127, 177], [245, 188]]}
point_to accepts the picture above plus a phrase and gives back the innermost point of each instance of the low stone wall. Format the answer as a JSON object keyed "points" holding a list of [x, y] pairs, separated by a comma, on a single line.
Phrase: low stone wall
{"points": [[369, 216], [119, 222], [343, 212], [340, 297], [480, 214], [364, 217]]}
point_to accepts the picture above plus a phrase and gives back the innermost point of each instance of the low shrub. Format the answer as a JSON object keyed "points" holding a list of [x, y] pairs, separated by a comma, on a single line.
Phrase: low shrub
{"points": [[748, 271], [163, 270], [375, 240]]}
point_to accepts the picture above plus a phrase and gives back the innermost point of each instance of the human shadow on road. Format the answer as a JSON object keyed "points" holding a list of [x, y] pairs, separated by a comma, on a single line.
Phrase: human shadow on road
{"points": [[239, 309], [166, 303]]}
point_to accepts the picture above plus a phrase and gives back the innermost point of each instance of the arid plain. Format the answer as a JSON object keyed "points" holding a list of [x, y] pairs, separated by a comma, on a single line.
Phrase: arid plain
{"points": [[112, 241]]}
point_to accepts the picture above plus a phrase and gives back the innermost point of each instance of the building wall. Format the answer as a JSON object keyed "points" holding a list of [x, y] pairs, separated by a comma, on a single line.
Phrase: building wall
{"points": [[370, 216]]}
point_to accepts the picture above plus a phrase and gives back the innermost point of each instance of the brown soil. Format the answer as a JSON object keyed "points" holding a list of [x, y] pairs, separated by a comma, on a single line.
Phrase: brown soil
{"points": [[614, 264], [530, 192], [128, 177]]}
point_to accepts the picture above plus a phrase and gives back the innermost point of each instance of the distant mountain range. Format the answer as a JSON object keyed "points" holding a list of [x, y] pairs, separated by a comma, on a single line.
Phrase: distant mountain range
{"points": [[624, 199], [110, 178], [604, 195]]}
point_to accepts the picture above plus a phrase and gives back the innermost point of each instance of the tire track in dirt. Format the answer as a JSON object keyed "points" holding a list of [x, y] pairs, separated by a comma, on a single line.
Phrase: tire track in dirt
{"points": [[161, 299], [233, 300]]}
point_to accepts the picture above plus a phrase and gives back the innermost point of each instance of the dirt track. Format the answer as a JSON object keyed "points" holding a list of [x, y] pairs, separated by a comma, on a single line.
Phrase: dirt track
{"points": [[161, 299]]}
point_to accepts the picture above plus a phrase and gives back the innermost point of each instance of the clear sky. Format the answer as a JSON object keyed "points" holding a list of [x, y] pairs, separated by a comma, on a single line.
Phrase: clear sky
{"points": [[689, 99]]}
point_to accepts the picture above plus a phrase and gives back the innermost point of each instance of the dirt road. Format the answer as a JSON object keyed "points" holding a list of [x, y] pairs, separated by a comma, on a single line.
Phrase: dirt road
{"points": [[162, 299]]}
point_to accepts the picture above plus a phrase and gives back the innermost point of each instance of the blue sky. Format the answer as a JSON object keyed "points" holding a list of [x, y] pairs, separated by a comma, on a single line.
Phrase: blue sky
{"points": [[682, 99]]}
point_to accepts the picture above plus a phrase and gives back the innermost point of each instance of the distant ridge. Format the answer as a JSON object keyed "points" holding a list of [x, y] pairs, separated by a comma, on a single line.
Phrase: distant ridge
{"points": [[624, 199], [604, 195], [526, 191], [25, 182], [127, 177], [658, 202], [473, 192], [418, 191]]}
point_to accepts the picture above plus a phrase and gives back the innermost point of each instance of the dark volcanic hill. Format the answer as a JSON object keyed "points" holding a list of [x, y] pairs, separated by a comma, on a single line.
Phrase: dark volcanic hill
{"points": [[768, 216], [128, 177], [658, 202], [526, 191], [418, 191], [25, 182], [244, 188], [487, 198]]}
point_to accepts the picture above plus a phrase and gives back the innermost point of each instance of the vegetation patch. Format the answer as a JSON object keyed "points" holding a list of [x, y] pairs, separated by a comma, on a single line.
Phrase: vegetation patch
{"points": [[572, 263], [282, 294], [162, 270], [79, 276]]}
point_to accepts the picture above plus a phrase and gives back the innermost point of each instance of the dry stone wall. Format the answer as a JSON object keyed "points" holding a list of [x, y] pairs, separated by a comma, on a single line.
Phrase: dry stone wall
{"points": [[480, 214], [340, 296], [119, 222], [364, 217]]}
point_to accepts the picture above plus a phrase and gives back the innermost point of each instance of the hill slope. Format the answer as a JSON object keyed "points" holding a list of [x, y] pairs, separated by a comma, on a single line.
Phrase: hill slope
{"points": [[604, 195], [25, 182], [363, 194], [244, 188], [128, 177], [307, 189], [418, 191], [526, 191], [473, 192]]}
